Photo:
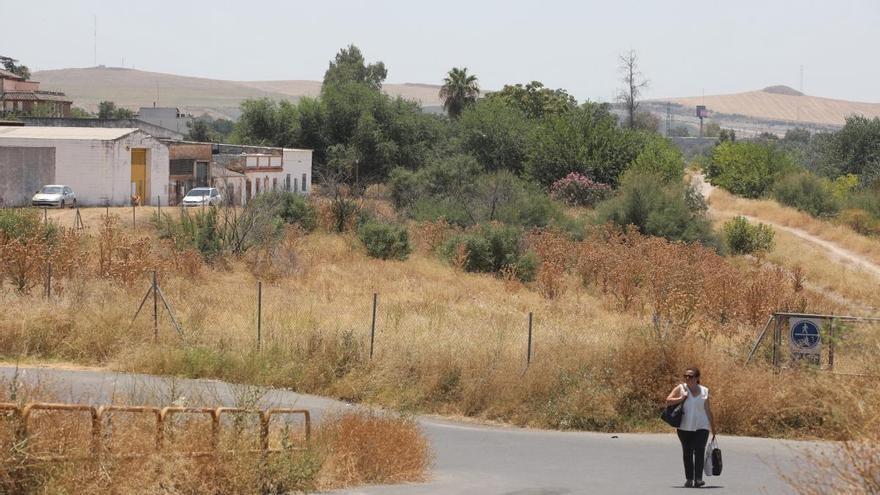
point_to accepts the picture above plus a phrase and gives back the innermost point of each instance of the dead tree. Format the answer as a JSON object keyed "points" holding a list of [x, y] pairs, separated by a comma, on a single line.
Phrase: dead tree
{"points": [[634, 82]]}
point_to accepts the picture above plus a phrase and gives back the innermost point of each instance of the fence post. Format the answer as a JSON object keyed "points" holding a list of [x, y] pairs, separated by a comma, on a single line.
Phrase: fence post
{"points": [[831, 345], [259, 313], [46, 216], [49, 282], [159, 210], [155, 290], [529, 347], [373, 324], [133, 218]]}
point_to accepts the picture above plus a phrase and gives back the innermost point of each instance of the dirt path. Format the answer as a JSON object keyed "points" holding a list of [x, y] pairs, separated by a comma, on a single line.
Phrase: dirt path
{"points": [[835, 252]]}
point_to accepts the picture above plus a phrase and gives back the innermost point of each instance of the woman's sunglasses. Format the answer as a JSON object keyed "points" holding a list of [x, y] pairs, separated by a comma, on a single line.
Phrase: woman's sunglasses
{"points": [[688, 377]]}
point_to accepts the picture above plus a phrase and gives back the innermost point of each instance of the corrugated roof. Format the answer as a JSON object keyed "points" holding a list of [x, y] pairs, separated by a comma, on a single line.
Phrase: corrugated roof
{"points": [[35, 132], [10, 75], [32, 96]]}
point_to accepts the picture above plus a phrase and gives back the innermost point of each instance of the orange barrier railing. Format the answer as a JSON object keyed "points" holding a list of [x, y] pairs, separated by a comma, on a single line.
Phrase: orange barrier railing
{"points": [[101, 436]]}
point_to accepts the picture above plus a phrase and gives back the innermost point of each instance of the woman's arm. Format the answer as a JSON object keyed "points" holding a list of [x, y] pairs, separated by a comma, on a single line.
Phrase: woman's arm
{"points": [[711, 418], [676, 396]]}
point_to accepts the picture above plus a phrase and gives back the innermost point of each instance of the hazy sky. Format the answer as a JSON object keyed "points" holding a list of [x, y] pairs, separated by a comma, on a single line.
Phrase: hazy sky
{"points": [[685, 47]]}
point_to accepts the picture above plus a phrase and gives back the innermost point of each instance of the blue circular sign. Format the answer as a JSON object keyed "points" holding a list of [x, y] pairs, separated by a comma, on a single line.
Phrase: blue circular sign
{"points": [[805, 334]]}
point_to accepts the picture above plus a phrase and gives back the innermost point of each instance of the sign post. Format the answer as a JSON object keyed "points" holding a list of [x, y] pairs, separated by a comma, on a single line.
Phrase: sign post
{"points": [[805, 339]]}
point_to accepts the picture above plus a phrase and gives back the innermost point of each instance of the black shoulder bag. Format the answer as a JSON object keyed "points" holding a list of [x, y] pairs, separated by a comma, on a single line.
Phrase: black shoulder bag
{"points": [[672, 414]]}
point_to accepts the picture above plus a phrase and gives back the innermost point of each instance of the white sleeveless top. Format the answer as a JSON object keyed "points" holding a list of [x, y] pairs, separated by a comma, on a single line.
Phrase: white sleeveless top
{"points": [[695, 417]]}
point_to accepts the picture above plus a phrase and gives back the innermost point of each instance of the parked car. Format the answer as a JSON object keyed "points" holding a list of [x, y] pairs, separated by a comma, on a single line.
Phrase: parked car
{"points": [[54, 195], [200, 196]]}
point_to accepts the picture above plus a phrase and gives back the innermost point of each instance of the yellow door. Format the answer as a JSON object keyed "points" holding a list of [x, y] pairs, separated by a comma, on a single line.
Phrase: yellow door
{"points": [[138, 176]]}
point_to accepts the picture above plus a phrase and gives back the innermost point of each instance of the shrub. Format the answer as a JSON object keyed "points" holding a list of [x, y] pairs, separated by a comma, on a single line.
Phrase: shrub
{"points": [[659, 156], [385, 241], [579, 190], [491, 248], [747, 168], [671, 210], [742, 237], [293, 209], [807, 192], [859, 220]]}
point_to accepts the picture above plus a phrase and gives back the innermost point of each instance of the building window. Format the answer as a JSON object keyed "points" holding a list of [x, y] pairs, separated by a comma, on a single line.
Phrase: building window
{"points": [[304, 183]]}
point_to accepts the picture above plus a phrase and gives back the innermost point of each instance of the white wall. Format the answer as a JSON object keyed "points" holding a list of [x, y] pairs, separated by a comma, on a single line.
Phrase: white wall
{"points": [[97, 169], [297, 163]]}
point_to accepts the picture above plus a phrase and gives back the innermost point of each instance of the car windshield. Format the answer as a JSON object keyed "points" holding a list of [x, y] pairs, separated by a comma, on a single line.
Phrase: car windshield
{"points": [[198, 193], [50, 190]]}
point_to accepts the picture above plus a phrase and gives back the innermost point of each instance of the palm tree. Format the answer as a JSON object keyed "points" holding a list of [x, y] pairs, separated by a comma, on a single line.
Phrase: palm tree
{"points": [[459, 90]]}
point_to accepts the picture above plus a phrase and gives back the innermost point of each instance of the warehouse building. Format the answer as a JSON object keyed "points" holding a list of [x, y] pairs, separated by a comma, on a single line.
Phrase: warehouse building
{"points": [[103, 166]]}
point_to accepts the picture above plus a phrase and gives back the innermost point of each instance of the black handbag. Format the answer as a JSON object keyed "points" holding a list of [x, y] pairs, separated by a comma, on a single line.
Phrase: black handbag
{"points": [[716, 461], [673, 414]]}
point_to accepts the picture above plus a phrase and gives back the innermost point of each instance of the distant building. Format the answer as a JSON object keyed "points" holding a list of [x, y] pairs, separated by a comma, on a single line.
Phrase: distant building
{"points": [[167, 117], [103, 166], [123, 166], [18, 95], [151, 129]]}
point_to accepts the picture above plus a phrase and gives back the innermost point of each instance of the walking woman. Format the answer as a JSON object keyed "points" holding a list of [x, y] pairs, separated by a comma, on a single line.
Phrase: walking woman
{"points": [[696, 424]]}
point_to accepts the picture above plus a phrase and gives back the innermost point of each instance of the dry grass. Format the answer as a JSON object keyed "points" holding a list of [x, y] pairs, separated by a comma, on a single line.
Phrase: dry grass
{"points": [[726, 204], [775, 106], [850, 467], [455, 343]]}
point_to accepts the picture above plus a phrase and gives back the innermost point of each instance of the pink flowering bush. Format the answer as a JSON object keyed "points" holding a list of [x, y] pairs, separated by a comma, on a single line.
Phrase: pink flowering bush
{"points": [[579, 190]]}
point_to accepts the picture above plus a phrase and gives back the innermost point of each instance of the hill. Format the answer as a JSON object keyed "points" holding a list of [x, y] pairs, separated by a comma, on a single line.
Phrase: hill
{"points": [[131, 88], [779, 103]]}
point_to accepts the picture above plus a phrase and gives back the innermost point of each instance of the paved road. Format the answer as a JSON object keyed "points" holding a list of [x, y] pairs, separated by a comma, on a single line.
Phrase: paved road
{"points": [[472, 459]]}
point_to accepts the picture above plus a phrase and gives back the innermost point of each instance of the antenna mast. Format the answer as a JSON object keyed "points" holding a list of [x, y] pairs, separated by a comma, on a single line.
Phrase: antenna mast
{"points": [[96, 41]]}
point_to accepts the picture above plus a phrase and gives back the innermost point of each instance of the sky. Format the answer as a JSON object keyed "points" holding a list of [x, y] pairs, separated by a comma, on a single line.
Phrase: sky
{"points": [[684, 47]]}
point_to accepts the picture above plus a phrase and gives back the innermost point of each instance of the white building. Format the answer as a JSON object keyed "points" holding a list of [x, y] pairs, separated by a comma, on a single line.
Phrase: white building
{"points": [[266, 169], [167, 117], [103, 166]]}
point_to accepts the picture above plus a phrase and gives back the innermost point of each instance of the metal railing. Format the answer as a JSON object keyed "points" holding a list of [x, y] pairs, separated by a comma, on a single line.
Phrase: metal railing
{"points": [[100, 437]]}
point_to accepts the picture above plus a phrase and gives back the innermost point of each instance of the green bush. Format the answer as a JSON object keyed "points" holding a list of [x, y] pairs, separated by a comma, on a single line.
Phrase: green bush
{"points": [[292, 208], [491, 248], [659, 156], [198, 230], [747, 168], [17, 223], [741, 237], [385, 241], [671, 210], [807, 192]]}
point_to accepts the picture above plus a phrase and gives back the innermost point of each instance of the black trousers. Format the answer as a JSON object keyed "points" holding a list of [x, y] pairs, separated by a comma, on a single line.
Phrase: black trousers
{"points": [[693, 449]]}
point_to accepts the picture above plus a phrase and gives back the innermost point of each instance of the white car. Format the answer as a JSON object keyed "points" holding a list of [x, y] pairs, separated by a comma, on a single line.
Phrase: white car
{"points": [[202, 196], [54, 195]]}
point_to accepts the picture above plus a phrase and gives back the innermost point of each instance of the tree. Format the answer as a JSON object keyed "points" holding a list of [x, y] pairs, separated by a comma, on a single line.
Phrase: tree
{"points": [[586, 140], [106, 109], [854, 149], [459, 90], [19, 70], [109, 110], [725, 135], [496, 134], [633, 82], [646, 121], [81, 113], [349, 67], [535, 100], [199, 131], [747, 168]]}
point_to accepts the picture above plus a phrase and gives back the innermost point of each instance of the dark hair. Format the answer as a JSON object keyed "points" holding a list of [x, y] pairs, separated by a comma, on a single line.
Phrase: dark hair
{"points": [[696, 372]]}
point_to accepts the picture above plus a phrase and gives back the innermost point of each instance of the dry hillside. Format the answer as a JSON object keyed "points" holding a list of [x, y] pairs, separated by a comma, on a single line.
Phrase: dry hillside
{"points": [[132, 88], [782, 103]]}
